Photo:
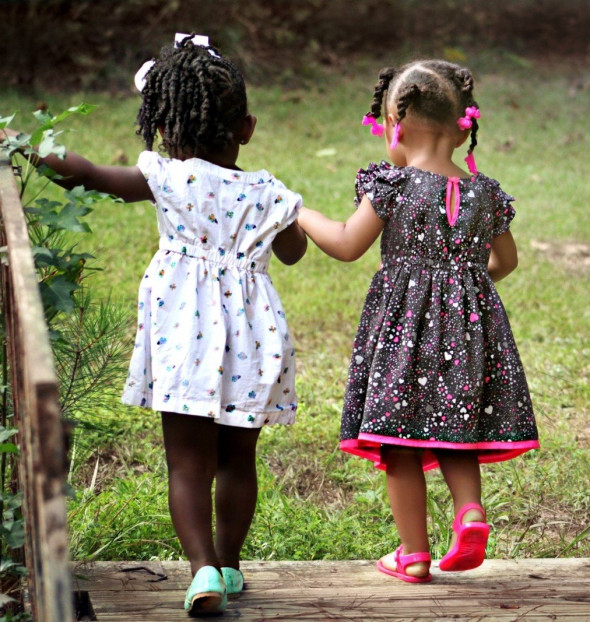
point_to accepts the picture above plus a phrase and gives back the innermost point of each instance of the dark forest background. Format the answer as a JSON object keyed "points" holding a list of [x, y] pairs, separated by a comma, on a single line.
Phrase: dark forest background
{"points": [[77, 44]]}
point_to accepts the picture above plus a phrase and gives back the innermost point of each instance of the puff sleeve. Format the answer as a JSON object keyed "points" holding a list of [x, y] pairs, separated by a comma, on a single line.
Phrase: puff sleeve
{"points": [[152, 167], [503, 211], [382, 184], [285, 204]]}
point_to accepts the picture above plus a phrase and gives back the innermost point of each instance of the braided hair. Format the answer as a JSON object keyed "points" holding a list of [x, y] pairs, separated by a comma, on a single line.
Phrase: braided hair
{"points": [[195, 98], [434, 90]]}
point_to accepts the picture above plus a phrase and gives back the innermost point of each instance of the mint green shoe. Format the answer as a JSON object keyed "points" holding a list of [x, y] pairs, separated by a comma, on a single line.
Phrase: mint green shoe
{"points": [[207, 592], [234, 579]]}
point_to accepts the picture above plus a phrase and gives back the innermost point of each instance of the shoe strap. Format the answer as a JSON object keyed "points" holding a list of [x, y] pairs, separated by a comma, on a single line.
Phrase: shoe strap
{"points": [[461, 513], [412, 558]]}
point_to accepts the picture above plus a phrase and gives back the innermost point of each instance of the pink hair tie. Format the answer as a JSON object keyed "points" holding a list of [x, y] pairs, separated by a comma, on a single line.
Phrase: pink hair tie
{"points": [[470, 160], [471, 112], [395, 138], [464, 123], [377, 129]]}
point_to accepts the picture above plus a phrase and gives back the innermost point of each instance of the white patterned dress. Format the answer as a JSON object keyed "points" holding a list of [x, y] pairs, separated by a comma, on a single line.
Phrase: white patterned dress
{"points": [[212, 337]]}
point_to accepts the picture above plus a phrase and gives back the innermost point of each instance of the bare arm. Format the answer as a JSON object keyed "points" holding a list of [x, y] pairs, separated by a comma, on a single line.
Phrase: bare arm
{"points": [[503, 257], [346, 241], [290, 244], [126, 182]]}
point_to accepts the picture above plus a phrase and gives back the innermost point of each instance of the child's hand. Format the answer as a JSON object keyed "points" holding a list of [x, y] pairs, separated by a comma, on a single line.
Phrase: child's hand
{"points": [[345, 241]]}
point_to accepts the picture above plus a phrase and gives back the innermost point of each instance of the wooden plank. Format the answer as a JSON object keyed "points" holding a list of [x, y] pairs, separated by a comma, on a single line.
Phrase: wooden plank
{"points": [[37, 413], [548, 589]]}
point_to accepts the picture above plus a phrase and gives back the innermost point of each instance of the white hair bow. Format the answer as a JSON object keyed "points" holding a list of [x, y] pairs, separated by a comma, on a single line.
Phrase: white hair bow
{"points": [[178, 37]]}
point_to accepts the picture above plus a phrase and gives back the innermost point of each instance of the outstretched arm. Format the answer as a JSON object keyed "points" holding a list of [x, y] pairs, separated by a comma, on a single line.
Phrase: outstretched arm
{"points": [[346, 241], [503, 256], [290, 244], [126, 182]]}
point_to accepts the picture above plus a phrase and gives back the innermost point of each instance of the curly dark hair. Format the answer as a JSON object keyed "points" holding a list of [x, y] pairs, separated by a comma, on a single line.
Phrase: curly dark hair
{"points": [[195, 97], [435, 90]]}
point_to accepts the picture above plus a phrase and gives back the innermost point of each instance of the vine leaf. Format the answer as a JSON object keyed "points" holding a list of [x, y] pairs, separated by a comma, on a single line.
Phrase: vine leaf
{"points": [[6, 433], [65, 219], [57, 293]]}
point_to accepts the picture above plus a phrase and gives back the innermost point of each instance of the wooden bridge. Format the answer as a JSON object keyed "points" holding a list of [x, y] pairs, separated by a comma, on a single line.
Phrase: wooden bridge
{"points": [[59, 591], [502, 590]]}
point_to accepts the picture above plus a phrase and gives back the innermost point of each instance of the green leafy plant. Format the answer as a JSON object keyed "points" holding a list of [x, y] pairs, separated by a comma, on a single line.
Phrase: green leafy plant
{"points": [[86, 335], [11, 526], [12, 533]]}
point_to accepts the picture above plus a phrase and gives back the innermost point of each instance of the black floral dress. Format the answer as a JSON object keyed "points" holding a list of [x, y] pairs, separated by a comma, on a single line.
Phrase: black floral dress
{"points": [[434, 364]]}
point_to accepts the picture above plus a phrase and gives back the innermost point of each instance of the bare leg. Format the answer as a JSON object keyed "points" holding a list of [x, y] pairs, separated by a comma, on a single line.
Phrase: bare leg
{"points": [[236, 491], [406, 487], [191, 455], [462, 475]]}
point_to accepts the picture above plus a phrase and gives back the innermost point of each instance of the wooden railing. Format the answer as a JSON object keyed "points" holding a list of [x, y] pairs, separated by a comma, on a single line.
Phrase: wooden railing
{"points": [[37, 414]]}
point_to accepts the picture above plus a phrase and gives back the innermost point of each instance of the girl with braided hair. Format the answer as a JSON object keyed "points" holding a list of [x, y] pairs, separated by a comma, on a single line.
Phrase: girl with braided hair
{"points": [[435, 377], [213, 351]]}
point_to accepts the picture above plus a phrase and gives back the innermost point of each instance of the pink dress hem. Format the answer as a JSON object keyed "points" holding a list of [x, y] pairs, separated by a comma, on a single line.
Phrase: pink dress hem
{"points": [[369, 446]]}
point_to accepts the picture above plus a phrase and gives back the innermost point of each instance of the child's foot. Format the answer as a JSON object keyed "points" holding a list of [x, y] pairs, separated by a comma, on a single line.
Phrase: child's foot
{"points": [[474, 515], [234, 579], [417, 569], [468, 543], [207, 593], [412, 568]]}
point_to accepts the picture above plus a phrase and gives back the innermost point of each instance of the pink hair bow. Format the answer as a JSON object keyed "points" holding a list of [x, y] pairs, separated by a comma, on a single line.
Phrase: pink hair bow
{"points": [[377, 129], [471, 112]]}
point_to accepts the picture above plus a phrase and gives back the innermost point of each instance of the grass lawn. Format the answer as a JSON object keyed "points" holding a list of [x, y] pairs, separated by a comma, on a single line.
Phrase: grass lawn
{"points": [[314, 501]]}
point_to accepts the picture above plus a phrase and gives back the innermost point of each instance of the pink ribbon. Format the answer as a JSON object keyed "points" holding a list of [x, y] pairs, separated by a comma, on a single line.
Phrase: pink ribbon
{"points": [[470, 160], [453, 185]]}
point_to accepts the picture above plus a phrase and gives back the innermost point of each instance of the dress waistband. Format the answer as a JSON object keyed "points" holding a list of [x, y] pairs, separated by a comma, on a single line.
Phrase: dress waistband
{"points": [[433, 264], [218, 256]]}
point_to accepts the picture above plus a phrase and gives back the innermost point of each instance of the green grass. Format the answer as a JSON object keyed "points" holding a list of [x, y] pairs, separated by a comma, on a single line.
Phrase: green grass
{"points": [[316, 502]]}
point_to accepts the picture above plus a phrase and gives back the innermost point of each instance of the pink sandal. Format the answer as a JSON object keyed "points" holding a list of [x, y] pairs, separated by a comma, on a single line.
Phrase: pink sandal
{"points": [[402, 562], [469, 550]]}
